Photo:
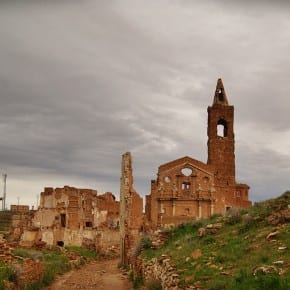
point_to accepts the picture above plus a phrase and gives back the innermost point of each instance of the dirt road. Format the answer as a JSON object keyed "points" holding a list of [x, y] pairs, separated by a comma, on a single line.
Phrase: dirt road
{"points": [[100, 275]]}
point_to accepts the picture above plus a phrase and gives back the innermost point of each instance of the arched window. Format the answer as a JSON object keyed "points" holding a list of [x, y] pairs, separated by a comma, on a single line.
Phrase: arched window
{"points": [[222, 128], [185, 185]]}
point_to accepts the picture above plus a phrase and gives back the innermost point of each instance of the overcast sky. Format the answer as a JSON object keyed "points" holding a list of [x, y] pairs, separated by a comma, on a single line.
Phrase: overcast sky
{"points": [[82, 82]]}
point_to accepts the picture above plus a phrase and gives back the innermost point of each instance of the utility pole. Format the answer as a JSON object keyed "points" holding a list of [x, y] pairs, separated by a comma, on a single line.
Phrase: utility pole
{"points": [[4, 192]]}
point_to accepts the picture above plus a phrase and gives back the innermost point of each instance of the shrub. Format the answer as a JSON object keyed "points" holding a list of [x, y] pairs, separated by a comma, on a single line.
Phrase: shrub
{"points": [[137, 282], [248, 223], [209, 240], [273, 282], [146, 242], [6, 273], [217, 284], [153, 284], [197, 224], [242, 276], [233, 217], [220, 258]]}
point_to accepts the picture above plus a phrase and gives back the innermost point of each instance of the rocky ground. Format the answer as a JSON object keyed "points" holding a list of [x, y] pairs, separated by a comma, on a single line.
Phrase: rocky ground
{"points": [[101, 275]]}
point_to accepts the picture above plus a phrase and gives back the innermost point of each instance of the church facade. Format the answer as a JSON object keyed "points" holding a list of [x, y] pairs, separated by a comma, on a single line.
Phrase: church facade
{"points": [[187, 189]]}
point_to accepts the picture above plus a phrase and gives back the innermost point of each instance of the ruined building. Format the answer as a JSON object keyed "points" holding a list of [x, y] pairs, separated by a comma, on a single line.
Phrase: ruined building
{"points": [[131, 211], [73, 216], [187, 189]]}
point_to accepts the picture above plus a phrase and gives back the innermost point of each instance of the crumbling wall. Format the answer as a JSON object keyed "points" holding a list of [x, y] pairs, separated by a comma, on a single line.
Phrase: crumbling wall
{"points": [[131, 210], [107, 211], [72, 216], [15, 221]]}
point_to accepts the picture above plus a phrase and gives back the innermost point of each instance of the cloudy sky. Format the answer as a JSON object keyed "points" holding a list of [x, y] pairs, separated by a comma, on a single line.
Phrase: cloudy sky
{"points": [[82, 82]]}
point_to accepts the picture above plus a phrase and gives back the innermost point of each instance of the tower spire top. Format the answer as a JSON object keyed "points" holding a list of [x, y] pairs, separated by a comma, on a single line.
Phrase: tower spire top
{"points": [[220, 96]]}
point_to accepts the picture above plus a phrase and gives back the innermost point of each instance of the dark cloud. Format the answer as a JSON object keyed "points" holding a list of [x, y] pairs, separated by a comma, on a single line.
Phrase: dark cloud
{"points": [[83, 82]]}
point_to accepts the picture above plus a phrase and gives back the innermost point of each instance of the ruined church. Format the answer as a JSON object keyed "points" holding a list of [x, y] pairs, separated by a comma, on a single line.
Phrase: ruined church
{"points": [[187, 189]]}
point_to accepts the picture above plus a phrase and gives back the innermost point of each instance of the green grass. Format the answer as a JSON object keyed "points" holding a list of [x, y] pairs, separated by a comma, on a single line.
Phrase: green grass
{"points": [[55, 262], [82, 252], [6, 273], [230, 255], [28, 253]]}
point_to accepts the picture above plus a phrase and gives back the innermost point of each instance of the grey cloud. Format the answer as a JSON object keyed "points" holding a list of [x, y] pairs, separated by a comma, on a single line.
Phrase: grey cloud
{"points": [[83, 82]]}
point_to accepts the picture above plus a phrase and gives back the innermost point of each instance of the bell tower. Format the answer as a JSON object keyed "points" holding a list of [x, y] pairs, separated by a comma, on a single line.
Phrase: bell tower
{"points": [[221, 138]]}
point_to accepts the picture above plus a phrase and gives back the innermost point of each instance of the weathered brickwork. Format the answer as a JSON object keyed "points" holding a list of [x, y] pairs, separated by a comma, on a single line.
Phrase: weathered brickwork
{"points": [[73, 216], [131, 211], [187, 189]]}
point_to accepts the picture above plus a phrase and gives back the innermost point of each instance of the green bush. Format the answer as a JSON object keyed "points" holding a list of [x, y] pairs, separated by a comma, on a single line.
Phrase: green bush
{"points": [[153, 284], [197, 224], [220, 258], [6, 273], [218, 283], [209, 240], [146, 242], [248, 222], [233, 217], [137, 282]]}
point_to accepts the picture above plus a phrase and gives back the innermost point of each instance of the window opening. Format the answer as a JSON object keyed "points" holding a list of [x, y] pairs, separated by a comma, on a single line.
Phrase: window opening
{"points": [[60, 243], [222, 128], [63, 220], [89, 224], [186, 171], [221, 96], [185, 186]]}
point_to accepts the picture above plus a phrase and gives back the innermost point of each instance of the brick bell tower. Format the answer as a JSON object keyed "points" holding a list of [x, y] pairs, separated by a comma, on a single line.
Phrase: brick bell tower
{"points": [[221, 138]]}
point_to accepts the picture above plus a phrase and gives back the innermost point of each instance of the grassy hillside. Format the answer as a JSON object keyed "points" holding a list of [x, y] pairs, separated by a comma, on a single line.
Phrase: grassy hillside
{"points": [[247, 249]]}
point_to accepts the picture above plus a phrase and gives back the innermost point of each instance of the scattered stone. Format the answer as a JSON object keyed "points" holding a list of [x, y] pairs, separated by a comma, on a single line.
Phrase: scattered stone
{"points": [[214, 226], [9, 285], [189, 278], [196, 254], [273, 234], [201, 232], [265, 270], [278, 262], [225, 273], [282, 248]]}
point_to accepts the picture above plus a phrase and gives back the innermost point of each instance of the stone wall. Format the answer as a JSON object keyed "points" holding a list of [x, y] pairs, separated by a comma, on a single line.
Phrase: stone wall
{"points": [[131, 211], [19, 208], [157, 269], [70, 216]]}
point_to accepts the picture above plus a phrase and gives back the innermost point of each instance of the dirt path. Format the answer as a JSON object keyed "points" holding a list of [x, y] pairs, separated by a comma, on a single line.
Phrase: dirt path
{"points": [[100, 275]]}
